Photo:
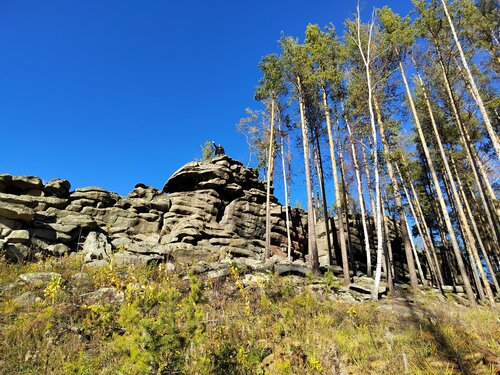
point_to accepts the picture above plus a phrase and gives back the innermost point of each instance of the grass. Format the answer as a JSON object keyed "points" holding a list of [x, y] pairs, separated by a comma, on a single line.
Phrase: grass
{"points": [[182, 324]]}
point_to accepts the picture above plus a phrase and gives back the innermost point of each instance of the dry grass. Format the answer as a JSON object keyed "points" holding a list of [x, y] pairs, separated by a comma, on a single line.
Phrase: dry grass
{"points": [[178, 324]]}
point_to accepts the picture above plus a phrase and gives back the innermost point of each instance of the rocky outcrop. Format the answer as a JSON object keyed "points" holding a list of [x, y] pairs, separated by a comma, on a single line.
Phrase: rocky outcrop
{"points": [[204, 211]]}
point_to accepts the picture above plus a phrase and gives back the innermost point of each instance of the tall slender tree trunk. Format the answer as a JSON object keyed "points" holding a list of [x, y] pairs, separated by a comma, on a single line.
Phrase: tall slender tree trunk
{"points": [[338, 200], [415, 254], [368, 179], [378, 197], [476, 231], [444, 209], [397, 197], [321, 180], [455, 196], [423, 233], [311, 225], [287, 203], [448, 266], [473, 268], [270, 170], [388, 253], [349, 256], [361, 201], [475, 92]]}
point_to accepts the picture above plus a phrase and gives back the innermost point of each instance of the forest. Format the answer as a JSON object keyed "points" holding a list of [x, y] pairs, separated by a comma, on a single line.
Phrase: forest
{"points": [[400, 114]]}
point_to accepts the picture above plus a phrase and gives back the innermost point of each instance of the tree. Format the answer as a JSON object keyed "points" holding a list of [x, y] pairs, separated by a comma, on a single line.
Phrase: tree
{"points": [[271, 87], [324, 49], [207, 151], [297, 67], [355, 33], [472, 84]]}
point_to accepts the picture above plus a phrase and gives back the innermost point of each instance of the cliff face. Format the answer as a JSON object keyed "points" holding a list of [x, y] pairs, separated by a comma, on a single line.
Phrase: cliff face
{"points": [[206, 209]]}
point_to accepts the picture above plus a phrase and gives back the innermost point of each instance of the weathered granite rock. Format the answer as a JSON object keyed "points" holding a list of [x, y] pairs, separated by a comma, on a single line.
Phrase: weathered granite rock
{"points": [[39, 279], [26, 183], [57, 188], [104, 296], [16, 212], [96, 247], [27, 299]]}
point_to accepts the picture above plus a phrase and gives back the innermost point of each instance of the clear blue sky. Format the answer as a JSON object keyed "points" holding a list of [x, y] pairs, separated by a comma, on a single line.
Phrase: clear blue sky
{"points": [[115, 92]]}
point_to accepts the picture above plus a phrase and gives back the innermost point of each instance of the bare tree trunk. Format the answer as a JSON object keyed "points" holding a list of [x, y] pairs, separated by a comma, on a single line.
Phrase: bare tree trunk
{"points": [[473, 267], [348, 255], [447, 262], [367, 61], [321, 179], [444, 209], [287, 203], [476, 231], [311, 225], [456, 197], [270, 171], [361, 201], [424, 235], [397, 196], [415, 254], [338, 200], [368, 179], [388, 254], [473, 87]]}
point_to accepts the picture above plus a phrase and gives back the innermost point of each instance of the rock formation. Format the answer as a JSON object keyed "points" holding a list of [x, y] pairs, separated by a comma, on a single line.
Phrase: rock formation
{"points": [[205, 210]]}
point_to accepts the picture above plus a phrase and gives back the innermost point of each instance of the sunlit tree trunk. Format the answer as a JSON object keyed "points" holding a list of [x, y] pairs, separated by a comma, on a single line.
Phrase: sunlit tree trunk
{"points": [[473, 160], [476, 232], [311, 225], [456, 197], [388, 254], [287, 202], [397, 196], [442, 203], [321, 181], [423, 233], [366, 56], [270, 171], [338, 200], [361, 200]]}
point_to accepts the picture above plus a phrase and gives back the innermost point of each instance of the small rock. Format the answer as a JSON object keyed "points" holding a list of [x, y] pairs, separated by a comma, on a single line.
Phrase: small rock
{"points": [[104, 296], [18, 236], [293, 268], [58, 249], [131, 258], [40, 279], [16, 252], [27, 299], [218, 274]]}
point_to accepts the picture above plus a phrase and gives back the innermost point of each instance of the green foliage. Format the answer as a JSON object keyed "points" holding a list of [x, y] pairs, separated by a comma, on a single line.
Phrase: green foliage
{"points": [[207, 151]]}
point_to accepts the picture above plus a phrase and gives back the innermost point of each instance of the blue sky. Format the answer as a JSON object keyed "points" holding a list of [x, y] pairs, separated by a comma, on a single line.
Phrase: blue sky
{"points": [[115, 92]]}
